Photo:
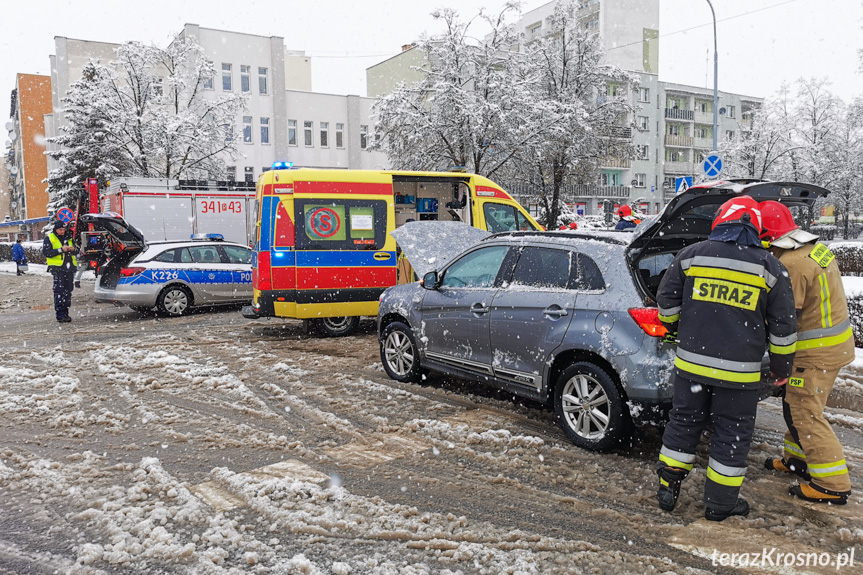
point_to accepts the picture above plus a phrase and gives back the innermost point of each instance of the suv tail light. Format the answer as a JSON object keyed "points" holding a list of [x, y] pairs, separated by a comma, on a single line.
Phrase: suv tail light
{"points": [[129, 272], [647, 319]]}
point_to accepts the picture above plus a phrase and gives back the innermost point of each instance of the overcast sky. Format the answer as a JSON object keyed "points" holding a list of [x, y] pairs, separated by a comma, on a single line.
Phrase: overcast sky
{"points": [[761, 42]]}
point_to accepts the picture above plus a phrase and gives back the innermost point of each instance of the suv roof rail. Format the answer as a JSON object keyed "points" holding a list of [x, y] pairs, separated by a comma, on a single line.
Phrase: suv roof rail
{"points": [[564, 234]]}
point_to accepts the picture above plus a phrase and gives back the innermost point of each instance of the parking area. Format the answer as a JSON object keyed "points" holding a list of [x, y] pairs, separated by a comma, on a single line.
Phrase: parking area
{"points": [[214, 444]]}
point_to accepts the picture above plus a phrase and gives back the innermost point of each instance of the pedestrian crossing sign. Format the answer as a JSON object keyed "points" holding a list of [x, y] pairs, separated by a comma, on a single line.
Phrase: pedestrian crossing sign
{"points": [[682, 184]]}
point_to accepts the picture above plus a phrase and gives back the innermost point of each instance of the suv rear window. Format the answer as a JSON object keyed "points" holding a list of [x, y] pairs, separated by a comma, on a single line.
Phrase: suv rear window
{"points": [[557, 269]]}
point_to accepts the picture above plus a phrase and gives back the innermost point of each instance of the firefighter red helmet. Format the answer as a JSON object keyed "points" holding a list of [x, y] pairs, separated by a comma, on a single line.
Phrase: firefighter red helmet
{"points": [[573, 226], [739, 210], [777, 220], [624, 211]]}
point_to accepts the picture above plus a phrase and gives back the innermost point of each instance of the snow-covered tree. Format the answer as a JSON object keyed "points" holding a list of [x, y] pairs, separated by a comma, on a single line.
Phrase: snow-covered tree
{"points": [[86, 148], [468, 108], [579, 103], [762, 145], [145, 114], [841, 153]]}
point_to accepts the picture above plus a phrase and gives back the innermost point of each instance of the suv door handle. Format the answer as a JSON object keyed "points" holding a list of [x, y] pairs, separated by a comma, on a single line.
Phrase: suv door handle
{"points": [[555, 311], [478, 308]]}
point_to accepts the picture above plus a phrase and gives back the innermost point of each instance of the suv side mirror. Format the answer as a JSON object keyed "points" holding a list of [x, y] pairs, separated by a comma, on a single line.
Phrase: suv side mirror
{"points": [[430, 280]]}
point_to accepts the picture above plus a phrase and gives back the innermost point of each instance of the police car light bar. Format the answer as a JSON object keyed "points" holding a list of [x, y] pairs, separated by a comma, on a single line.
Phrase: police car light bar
{"points": [[210, 237], [283, 165]]}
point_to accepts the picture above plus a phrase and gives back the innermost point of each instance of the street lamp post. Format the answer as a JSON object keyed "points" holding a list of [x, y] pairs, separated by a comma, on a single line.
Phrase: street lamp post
{"points": [[715, 77]]}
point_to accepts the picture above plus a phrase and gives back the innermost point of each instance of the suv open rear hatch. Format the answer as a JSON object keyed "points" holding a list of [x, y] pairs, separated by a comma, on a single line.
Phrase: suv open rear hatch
{"points": [[110, 242], [688, 217]]}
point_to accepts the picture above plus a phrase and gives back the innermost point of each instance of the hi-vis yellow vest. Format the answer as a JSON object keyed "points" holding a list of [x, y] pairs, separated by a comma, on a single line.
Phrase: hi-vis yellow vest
{"points": [[58, 259]]}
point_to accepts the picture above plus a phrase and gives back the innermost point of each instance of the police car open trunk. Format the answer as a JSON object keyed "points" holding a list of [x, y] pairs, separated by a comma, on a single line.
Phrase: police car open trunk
{"points": [[109, 241], [688, 217]]}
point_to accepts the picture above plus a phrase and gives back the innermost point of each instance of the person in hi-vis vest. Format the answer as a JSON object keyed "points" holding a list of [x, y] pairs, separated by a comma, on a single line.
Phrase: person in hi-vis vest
{"points": [[60, 256]]}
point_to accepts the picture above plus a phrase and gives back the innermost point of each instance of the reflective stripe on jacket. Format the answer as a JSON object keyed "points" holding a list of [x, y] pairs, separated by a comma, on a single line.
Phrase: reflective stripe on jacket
{"points": [[825, 338], [729, 303]]}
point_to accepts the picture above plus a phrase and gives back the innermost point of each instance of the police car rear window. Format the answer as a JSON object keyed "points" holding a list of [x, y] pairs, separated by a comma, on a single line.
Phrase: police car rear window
{"points": [[168, 256]]}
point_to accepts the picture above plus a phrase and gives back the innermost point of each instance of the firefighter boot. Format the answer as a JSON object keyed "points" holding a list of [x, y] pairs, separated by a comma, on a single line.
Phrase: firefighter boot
{"points": [[790, 465], [815, 494], [741, 508], [670, 479]]}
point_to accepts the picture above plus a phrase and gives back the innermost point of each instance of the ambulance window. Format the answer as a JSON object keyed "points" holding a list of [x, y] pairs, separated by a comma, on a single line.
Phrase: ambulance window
{"points": [[500, 217], [341, 224]]}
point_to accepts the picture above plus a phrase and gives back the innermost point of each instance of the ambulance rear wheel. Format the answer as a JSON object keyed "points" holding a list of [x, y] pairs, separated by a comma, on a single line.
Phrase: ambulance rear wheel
{"points": [[174, 300], [336, 326]]}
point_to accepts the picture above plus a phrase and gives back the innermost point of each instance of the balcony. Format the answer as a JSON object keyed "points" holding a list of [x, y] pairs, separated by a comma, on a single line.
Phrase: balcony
{"points": [[687, 168], [704, 143], [597, 191], [704, 117], [615, 162], [678, 114], [681, 141]]}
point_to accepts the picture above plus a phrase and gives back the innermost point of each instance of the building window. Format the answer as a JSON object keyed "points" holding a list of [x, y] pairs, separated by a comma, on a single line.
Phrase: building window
{"points": [[325, 134], [262, 81], [265, 130], [675, 156], [246, 78], [156, 87], [364, 137], [643, 123], [292, 132], [307, 133], [609, 179], [340, 135], [208, 81], [644, 94], [226, 78], [229, 132], [673, 130], [642, 152], [250, 174], [732, 112], [247, 129], [640, 180], [704, 107], [232, 173], [533, 31], [729, 134]]}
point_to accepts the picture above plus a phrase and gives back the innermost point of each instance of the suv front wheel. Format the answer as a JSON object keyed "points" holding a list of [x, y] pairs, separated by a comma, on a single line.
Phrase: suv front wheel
{"points": [[589, 407], [399, 354]]}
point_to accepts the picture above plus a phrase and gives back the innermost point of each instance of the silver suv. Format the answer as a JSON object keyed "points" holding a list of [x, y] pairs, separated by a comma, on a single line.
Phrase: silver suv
{"points": [[567, 319]]}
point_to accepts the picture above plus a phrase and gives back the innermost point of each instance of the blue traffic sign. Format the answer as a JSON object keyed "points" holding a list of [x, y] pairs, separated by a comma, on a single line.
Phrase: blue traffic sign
{"points": [[682, 184], [713, 165], [65, 215]]}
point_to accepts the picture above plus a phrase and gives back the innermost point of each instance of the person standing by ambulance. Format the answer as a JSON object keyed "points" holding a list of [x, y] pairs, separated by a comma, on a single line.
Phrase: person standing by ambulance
{"points": [[60, 257], [825, 344], [725, 298]]}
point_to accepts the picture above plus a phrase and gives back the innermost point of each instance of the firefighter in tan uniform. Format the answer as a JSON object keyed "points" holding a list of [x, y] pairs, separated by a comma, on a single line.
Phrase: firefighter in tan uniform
{"points": [[825, 344]]}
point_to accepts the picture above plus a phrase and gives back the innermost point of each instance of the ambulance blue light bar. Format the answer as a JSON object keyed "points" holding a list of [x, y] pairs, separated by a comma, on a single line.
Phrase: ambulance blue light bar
{"points": [[208, 237], [283, 165]]}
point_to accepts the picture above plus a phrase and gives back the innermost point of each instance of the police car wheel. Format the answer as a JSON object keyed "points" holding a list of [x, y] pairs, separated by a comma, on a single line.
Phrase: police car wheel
{"points": [[399, 353], [590, 407], [336, 326], [174, 300]]}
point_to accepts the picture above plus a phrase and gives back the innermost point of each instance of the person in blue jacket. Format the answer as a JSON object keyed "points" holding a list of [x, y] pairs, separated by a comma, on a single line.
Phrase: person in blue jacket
{"points": [[19, 257], [627, 220]]}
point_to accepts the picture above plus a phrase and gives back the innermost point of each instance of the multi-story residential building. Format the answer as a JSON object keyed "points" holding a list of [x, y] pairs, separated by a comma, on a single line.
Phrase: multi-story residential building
{"points": [[671, 128], [28, 167], [283, 120]]}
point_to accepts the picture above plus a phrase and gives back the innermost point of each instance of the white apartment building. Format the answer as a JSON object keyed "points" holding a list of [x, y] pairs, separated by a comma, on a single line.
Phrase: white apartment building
{"points": [[277, 83], [671, 127]]}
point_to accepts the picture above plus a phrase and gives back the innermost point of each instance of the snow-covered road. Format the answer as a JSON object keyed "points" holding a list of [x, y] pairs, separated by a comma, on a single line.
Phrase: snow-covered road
{"points": [[212, 444]]}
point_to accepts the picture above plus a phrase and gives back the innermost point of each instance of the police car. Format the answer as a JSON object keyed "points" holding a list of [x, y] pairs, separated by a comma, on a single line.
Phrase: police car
{"points": [[172, 276]]}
